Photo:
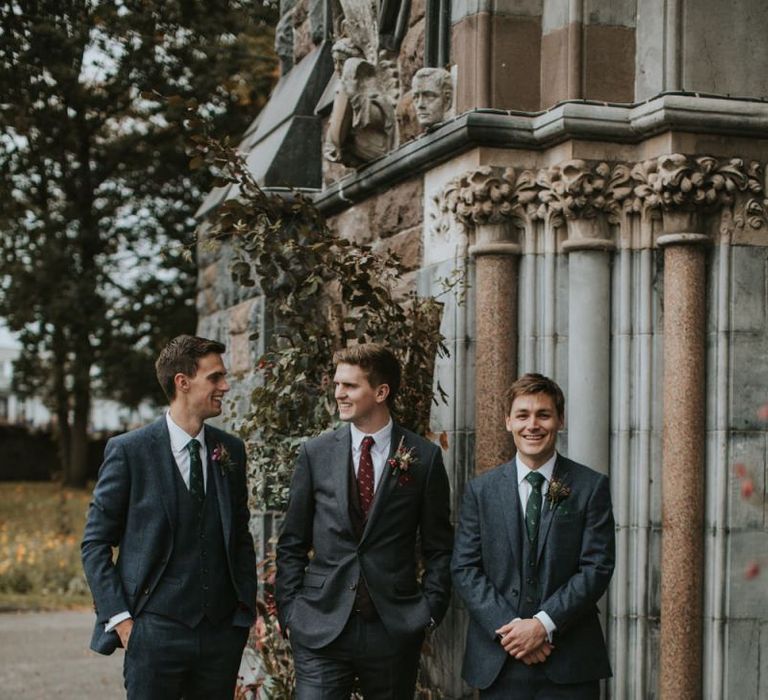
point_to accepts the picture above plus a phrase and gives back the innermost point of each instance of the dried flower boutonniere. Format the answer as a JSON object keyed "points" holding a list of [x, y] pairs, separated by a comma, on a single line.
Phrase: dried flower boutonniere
{"points": [[222, 457], [402, 461], [557, 493]]}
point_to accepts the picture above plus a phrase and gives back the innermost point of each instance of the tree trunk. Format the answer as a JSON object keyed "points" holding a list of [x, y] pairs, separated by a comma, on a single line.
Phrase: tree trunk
{"points": [[61, 400], [78, 453]]}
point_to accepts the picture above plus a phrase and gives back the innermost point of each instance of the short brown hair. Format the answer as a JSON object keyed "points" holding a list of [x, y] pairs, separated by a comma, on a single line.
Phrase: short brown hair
{"points": [[378, 362], [181, 355], [535, 384]]}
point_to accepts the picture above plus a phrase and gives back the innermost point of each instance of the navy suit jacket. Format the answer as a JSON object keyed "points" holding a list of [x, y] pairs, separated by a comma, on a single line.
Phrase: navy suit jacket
{"points": [[134, 509], [315, 596], [575, 562]]}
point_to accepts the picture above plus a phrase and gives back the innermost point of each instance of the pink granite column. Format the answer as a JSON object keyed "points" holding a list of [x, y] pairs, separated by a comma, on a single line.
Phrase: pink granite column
{"points": [[496, 265], [684, 443]]}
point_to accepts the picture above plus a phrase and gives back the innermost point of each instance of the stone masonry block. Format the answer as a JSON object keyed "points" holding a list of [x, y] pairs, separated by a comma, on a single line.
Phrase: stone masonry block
{"points": [[406, 245], [749, 380], [748, 265], [240, 354], [747, 449], [747, 595], [397, 208], [240, 317]]}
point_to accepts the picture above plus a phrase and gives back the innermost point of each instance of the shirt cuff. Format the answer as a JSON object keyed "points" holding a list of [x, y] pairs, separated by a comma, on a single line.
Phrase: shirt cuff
{"points": [[115, 620], [546, 620]]}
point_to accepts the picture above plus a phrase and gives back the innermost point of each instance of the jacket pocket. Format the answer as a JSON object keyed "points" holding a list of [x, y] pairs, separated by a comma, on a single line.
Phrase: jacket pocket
{"points": [[313, 580]]}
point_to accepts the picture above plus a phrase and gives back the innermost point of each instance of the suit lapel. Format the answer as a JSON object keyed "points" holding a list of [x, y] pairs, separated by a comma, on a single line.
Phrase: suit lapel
{"points": [[547, 511], [508, 500], [165, 464], [339, 463], [222, 485], [387, 483]]}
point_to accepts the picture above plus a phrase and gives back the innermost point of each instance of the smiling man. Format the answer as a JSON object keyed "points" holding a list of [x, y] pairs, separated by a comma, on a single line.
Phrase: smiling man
{"points": [[359, 498], [534, 553], [172, 498]]}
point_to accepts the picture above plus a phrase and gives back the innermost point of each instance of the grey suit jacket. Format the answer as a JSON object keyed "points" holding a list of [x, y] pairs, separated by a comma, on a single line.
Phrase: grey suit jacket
{"points": [[134, 508], [315, 596], [575, 563]]}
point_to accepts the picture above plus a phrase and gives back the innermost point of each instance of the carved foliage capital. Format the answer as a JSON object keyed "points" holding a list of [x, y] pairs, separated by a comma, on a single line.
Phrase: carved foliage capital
{"points": [[579, 189]]}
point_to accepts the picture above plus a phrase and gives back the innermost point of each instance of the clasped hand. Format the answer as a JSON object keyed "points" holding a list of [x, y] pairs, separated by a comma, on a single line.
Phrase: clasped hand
{"points": [[526, 640]]}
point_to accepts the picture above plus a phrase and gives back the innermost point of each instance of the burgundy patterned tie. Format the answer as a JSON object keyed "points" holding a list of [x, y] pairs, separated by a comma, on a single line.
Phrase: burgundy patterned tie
{"points": [[365, 475]]}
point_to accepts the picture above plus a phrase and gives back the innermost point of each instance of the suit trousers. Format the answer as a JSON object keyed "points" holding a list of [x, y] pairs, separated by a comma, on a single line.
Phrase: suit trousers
{"points": [[167, 660], [516, 681], [363, 651]]}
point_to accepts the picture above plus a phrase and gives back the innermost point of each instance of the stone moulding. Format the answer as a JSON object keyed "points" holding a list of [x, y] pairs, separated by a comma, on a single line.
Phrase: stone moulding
{"points": [[569, 120], [675, 185]]}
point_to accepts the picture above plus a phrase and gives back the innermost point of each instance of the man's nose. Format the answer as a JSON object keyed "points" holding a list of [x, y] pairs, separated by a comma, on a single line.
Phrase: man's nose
{"points": [[225, 385]]}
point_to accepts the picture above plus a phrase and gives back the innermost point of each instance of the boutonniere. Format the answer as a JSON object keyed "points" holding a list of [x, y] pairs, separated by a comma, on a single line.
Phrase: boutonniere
{"points": [[402, 462], [557, 493], [222, 457]]}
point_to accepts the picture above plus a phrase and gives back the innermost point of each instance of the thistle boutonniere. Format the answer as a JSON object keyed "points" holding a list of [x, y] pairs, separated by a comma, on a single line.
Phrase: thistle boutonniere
{"points": [[557, 493], [402, 462], [222, 457]]}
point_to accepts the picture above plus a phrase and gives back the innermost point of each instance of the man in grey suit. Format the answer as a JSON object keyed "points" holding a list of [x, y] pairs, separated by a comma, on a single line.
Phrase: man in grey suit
{"points": [[360, 497], [534, 553], [172, 498]]}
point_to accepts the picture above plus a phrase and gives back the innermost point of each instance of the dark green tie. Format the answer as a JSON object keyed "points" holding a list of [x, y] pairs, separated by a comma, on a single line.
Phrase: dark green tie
{"points": [[533, 507], [196, 486]]}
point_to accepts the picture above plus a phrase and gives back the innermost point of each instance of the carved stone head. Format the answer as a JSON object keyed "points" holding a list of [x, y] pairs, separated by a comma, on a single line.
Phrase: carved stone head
{"points": [[432, 92], [342, 50]]}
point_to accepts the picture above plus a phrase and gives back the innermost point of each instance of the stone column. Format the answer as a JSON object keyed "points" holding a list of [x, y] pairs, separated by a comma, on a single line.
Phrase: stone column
{"points": [[496, 270], [589, 342], [683, 455]]}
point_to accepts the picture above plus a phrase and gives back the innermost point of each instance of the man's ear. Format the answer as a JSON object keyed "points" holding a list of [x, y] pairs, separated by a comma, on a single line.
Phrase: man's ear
{"points": [[382, 391], [181, 382]]}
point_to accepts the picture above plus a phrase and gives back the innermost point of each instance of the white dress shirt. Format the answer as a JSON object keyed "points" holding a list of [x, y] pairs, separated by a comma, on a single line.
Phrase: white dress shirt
{"points": [[379, 450], [179, 441], [524, 490]]}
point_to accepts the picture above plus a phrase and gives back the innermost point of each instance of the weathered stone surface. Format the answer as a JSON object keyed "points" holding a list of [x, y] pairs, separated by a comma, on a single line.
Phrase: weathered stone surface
{"points": [[398, 208], [240, 316], [354, 223], [239, 353], [411, 54], [302, 32], [406, 245], [748, 279], [407, 126], [746, 511]]}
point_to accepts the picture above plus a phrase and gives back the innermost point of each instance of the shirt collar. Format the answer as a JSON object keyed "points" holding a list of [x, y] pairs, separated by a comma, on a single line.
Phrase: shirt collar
{"points": [[380, 438], [545, 469], [179, 437]]}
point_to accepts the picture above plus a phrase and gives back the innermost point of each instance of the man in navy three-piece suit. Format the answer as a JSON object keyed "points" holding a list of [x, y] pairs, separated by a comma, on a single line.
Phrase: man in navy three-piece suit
{"points": [[172, 497], [534, 552]]}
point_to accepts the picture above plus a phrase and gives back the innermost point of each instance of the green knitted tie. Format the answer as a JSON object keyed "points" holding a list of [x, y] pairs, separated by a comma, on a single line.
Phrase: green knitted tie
{"points": [[533, 507]]}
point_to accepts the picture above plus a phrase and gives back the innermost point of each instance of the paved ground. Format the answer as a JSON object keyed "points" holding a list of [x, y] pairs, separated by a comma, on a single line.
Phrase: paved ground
{"points": [[46, 655]]}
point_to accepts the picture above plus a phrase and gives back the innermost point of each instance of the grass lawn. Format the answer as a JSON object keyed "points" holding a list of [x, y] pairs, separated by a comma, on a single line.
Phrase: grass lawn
{"points": [[41, 525]]}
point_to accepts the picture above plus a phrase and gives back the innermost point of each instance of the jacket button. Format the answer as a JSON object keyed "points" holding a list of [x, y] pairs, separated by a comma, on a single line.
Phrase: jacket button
{"points": [[146, 591], [352, 586]]}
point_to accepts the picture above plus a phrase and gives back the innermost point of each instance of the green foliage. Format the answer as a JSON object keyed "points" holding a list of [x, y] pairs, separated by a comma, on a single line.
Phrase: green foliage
{"points": [[96, 196], [324, 293]]}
